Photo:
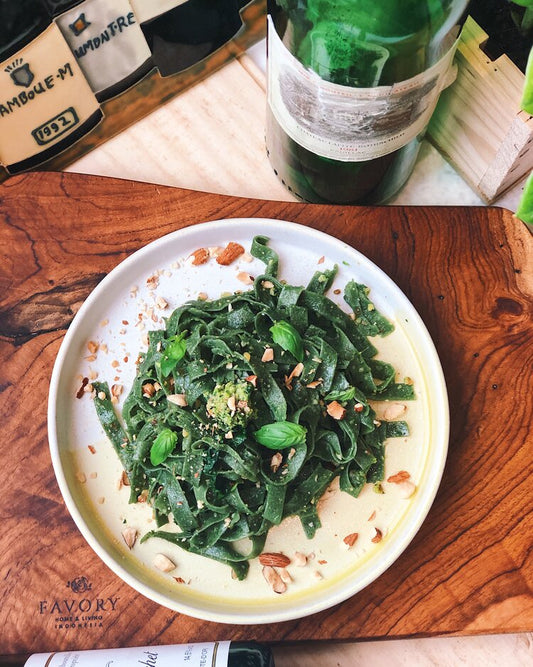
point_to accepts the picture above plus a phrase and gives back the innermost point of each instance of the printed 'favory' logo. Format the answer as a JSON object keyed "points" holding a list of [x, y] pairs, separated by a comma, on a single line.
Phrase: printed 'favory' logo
{"points": [[79, 25], [20, 72]]}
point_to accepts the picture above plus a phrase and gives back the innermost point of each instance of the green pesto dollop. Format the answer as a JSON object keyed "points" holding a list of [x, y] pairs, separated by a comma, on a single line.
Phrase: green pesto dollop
{"points": [[229, 404]]}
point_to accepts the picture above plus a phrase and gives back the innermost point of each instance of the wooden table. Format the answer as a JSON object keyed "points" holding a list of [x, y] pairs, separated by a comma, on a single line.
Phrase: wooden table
{"points": [[481, 264]]}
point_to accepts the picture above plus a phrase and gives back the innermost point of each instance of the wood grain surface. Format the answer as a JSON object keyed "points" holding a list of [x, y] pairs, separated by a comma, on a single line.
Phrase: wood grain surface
{"points": [[468, 271]]}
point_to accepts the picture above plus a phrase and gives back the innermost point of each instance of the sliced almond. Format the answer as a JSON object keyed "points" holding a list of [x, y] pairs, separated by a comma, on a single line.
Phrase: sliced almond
{"points": [[276, 461], [161, 562], [399, 477], [299, 559], [378, 536], [268, 354], [200, 256], [130, 536], [177, 399], [245, 278], [274, 559], [230, 253], [274, 579], [336, 410], [350, 539]]}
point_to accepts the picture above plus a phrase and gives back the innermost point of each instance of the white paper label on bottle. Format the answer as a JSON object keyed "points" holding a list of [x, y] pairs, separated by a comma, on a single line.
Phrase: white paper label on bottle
{"points": [[346, 123], [44, 97], [212, 654], [145, 10], [107, 40]]}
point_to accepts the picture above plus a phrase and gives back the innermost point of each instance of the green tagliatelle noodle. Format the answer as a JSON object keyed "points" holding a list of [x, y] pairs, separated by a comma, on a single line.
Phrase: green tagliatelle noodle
{"points": [[233, 441]]}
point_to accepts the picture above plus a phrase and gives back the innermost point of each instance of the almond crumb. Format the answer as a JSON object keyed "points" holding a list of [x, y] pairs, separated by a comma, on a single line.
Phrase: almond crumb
{"points": [[178, 399], [299, 559], [161, 562], [130, 536], [378, 536], [350, 539], [200, 256], [245, 278], [336, 410]]}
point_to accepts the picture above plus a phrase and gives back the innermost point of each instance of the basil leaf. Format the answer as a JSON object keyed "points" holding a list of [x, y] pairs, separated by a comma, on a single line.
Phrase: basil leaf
{"points": [[174, 352], [288, 338], [163, 446], [280, 435], [341, 395]]}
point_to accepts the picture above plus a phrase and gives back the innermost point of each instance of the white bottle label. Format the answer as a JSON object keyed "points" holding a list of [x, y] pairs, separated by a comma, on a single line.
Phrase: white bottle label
{"points": [[44, 97], [190, 655], [107, 40], [346, 123], [149, 9]]}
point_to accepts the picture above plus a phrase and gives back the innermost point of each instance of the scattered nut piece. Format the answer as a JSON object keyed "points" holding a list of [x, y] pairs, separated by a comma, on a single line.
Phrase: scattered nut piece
{"points": [[178, 399], [299, 559], [378, 536], [314, 384], [130, 536], [274, 579], [317, 575], [230, 253], [372, 516], [101, 500], [274, 559], [399, 477], [267, 284], [161, 562], [335, 410], [268, 354], [161, 303], [394, 410], [80, 476], [405, 489], [148, 390], [252, 379], [101, 395], [276, 461], [92, 347], [117, 389], [245, 278], [350, 539], [285, 576], [200, 256]]}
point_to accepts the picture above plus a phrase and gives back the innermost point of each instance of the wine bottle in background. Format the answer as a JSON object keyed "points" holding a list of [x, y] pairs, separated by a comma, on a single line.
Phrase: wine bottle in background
{"points": [[107, 41], [182, 33], [46, 103], [215, 654], [351, 87]]}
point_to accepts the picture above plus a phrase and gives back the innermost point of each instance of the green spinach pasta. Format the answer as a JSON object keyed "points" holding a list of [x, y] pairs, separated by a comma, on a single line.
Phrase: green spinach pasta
{"points": [[244, 409]]}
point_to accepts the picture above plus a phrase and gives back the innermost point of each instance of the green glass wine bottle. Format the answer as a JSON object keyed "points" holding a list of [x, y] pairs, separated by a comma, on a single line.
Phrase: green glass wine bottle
{"points": [[217, 654], [351, 87]]}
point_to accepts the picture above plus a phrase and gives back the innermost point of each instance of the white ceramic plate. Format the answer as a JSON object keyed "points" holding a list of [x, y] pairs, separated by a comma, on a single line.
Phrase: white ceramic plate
{"points": [[117, 316]]}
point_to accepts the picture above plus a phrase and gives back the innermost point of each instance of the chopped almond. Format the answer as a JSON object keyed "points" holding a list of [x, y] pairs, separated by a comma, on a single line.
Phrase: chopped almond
{"points": [[200, 256], [252, 379], [268, 354], [177, 399], [274, 580], [350, 539], [130, 536], [161, 562], [335, 410], [399, 477]]}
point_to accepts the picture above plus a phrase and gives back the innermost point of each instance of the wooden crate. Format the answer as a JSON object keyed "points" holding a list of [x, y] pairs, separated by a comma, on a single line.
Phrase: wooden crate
{"points": [[478, 125]]}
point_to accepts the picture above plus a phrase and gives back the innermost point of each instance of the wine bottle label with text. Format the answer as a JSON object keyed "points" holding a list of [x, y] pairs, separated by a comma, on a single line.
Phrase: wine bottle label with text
{"points": [[190, 655], [107, 40], [145, 10], [44, 97], [346, 123]]}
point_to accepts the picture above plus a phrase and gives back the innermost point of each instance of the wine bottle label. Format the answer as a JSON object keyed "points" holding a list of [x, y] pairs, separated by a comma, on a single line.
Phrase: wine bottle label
{"points": [[44, 97], [346, 123], [107, 40], [149, 9], [192, 655]]}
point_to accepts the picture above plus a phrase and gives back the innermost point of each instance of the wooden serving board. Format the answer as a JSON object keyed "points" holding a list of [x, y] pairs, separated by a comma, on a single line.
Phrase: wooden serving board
{"points": [[468, 271]]}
